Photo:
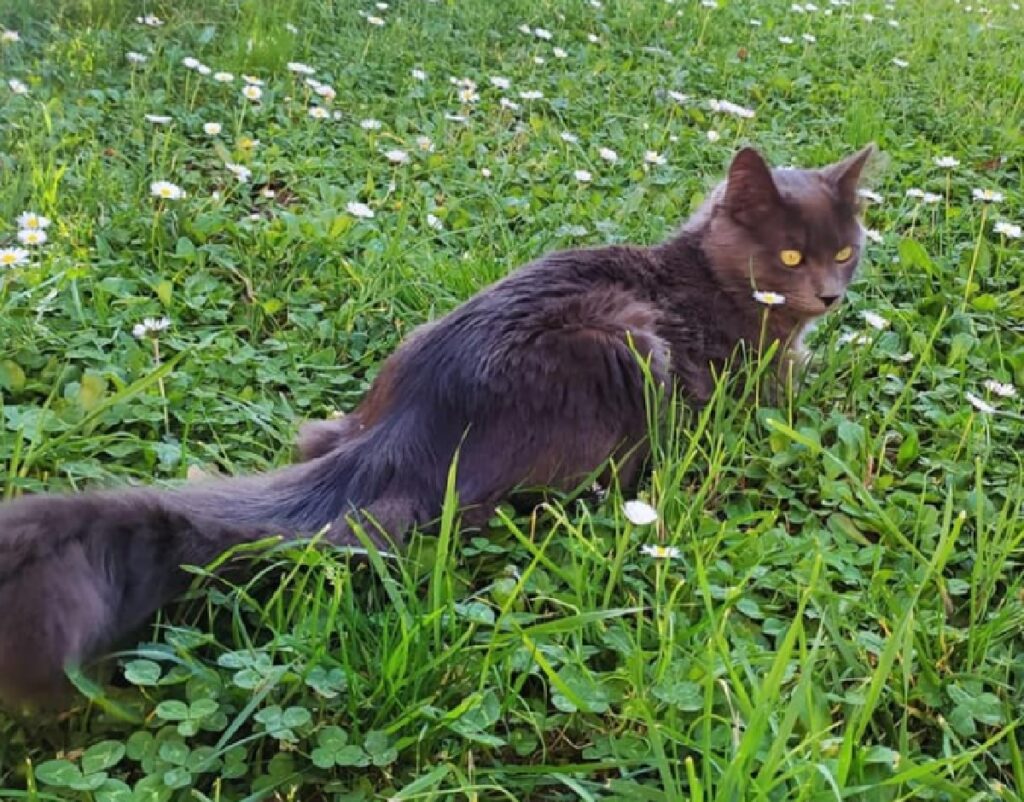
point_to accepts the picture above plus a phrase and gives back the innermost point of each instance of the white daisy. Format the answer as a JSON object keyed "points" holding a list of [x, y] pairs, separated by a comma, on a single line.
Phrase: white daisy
{"points": [[660, 552], [786, 40], [252, 92], [292, 29], [375, 20], [318, 113], [593, 38], [12, 257], [150, 326], [158, 119], [569, 137], [152, 20], [583, 176], [980, 404], [931, 198], [727, 107], [810, 37], [869, 195], [542, 33], [559, 53], [855, 338], [500, 82], [425, 143], [190, 62], [875, 320], [946, 162], [9, 36], [202, 69], [769, 298], [166, 190], [511, 105], [370, 124], [418, 74], [32, 220], [639, 513], [223, 77], [397, 156], [357, 209], [212, 129], [713, 136], [435, 222], [32, 236], [18, 87], [531, 94], [485, 172], [252, 80], [1000, 389], [608, 155], [1011, 230], [653, 157], [240, 171], [901, 63], [987, 195], [135, 58], [914, 192], [299, 67]]}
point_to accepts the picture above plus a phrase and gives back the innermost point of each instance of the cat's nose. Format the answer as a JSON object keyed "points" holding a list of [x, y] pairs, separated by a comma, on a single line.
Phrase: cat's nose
{"points": [[828, 300]]}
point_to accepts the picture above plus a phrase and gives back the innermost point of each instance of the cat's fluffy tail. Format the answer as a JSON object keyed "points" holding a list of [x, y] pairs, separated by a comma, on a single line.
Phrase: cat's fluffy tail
{"points": [[78, 572]]}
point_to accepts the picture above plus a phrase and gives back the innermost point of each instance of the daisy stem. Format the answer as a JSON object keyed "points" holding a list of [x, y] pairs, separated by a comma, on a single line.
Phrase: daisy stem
{"points": [[703, 29], [152, 230], [945, 228], [160, 385], [974, 257]]}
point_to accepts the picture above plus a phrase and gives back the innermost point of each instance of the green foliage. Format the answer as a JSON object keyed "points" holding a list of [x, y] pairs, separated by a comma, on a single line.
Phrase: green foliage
{"points": [[842, 617]]}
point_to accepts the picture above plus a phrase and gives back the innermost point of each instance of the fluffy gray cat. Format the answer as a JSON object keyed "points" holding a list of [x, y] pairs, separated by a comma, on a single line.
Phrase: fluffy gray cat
{"points": [[534, 381]]}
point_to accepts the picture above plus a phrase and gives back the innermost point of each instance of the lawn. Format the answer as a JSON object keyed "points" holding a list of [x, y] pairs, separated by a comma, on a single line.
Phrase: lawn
{"points": [[838, 613]]}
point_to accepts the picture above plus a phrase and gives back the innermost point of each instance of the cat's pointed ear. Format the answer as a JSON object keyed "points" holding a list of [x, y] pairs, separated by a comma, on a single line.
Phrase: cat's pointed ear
{"points": [[845, 175], [750, 190]]}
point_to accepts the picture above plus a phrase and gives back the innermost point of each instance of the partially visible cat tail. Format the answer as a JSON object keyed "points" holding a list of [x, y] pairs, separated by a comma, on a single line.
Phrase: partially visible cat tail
{"points": [[78, 572]]}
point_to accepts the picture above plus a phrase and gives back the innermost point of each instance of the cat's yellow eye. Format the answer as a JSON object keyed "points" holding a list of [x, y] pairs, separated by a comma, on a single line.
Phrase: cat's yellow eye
{"points": [[791, 258], [844, 254]]}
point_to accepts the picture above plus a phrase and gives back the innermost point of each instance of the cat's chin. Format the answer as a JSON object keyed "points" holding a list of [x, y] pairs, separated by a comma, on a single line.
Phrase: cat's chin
{"points": [[814, 311]]}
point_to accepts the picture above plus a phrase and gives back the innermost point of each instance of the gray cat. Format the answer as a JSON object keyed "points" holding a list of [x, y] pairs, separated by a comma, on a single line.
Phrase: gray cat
{"points": [[533, 382]]}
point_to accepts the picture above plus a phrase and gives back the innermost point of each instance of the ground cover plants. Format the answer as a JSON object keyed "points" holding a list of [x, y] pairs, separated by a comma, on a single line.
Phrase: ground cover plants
{"points": [[238, 209]]}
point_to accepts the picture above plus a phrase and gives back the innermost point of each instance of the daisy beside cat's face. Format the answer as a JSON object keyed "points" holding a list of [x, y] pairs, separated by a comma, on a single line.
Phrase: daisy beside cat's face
{"points": [[788, 231]]}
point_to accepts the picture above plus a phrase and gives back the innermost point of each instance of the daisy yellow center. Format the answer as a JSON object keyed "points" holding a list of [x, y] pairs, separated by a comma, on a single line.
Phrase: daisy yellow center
{"points": [[166, 192], [7, 258]]}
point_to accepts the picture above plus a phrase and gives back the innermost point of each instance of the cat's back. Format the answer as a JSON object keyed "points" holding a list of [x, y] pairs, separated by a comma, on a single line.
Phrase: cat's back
{"points": [[479, 347], [537, 290]]}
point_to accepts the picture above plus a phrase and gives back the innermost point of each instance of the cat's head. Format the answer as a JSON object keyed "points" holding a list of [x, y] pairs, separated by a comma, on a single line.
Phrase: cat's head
{"points": [[788, 231]]}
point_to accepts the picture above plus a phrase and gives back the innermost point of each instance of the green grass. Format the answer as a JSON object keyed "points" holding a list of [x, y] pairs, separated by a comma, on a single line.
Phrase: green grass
{"points": [[843, 620]]}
